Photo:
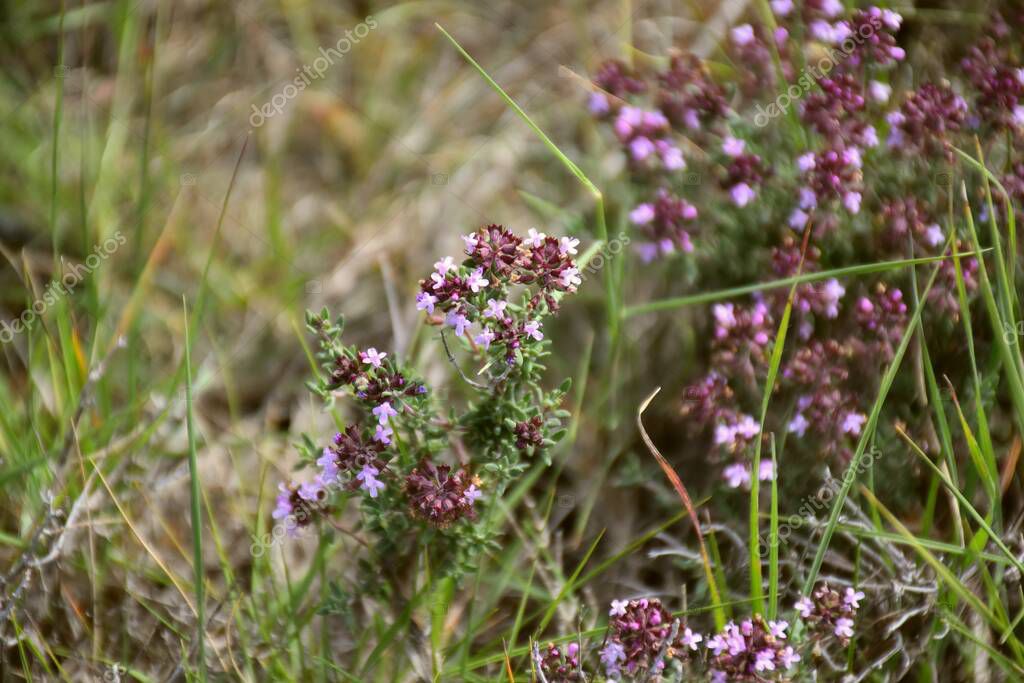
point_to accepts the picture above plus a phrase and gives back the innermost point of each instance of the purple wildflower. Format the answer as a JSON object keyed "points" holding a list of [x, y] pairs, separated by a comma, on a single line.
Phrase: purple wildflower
{"points": [[383, 434], [561, 664], [828, 614], [384, 411], [852, 597], [459, 321], [737, 475], [746, 651], [370, 483], [476, 280], [425, 302], [495, 309], [484, 339], [472, 494]]}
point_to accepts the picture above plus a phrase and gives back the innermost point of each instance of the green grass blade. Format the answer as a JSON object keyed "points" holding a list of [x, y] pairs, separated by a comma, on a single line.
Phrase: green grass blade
{"points": [[868, 432], [1015, 671], [570, 585], [943, 572], [1006, 289], [754, 540], [773, 539], [966, 504], [196, 511], [733, 292], [611, 296], [1009, 351]]}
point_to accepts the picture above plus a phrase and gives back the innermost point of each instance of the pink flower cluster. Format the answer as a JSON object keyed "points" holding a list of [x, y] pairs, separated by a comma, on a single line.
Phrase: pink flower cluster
{"points": [[439, 495], [643, 638], [830, 614], [688, 95], [645, 135], [638, 630], [744, 172], [926, 120], [356, 459], [664, 222], [998, 80], [832, 173], [561, 664], [820, 377], [836, 112], [884, 319], [751, 651], [473, 296]]}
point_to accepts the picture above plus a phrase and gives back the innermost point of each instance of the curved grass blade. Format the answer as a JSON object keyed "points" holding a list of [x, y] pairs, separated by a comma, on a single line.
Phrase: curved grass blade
{"points": [[677, 484], [1009, 352]]}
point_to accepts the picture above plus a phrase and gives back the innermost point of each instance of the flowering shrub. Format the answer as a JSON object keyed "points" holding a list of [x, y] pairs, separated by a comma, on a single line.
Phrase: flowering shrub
{"points": [[839, 159], [644, 639], [420, 468]]}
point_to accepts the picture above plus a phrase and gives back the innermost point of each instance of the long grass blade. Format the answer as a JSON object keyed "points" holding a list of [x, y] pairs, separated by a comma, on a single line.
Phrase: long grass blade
{"points": [[196, 510], [733, 292], [866, 435]]}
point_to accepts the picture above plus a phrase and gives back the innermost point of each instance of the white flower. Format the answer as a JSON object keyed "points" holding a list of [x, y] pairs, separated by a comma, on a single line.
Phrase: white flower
{"points": [[534, 238], [444, 265], [567, 245], [476, 280]]}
